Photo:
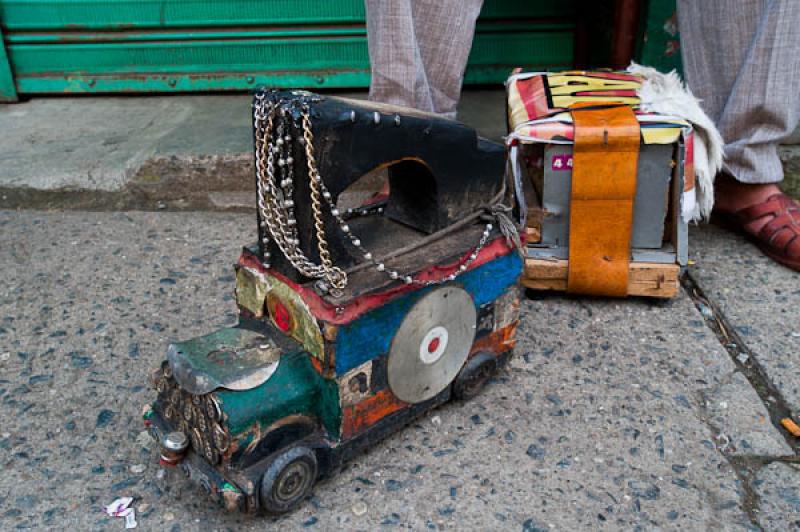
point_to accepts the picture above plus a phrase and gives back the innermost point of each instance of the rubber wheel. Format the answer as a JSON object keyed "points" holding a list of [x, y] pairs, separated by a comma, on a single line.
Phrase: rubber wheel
{"points": [[474, 376], [288, 480]]}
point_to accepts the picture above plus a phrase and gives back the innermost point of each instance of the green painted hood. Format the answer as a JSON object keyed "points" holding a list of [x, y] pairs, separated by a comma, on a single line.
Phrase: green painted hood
{"points": [[294, 388], [234, 358]]}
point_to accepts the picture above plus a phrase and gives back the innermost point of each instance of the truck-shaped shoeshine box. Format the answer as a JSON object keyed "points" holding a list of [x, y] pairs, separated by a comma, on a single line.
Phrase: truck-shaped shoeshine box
{"points": [[317, 370]]}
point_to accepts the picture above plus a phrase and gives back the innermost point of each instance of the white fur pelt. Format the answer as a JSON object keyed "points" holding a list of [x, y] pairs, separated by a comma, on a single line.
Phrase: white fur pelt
{"points": [[667, 94]]}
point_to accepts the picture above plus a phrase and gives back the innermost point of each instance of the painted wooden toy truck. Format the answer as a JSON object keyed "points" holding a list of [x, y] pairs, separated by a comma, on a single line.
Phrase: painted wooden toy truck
{"points": [[352, 322]]}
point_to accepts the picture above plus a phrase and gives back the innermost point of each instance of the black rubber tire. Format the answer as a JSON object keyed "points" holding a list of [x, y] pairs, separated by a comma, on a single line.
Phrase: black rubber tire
{"points": [[288, 480], [474, 375]]}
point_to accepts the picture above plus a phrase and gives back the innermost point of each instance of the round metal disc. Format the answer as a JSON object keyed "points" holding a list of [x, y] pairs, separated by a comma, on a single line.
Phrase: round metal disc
{"points": [[432, 344]]}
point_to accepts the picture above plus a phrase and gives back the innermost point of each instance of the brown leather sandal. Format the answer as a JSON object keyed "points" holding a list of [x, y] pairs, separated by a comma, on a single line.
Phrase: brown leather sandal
{"points": [[779, 238]]}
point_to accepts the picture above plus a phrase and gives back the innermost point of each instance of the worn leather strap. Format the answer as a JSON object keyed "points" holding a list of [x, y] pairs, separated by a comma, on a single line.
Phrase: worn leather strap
{"points": [[605, 158]]}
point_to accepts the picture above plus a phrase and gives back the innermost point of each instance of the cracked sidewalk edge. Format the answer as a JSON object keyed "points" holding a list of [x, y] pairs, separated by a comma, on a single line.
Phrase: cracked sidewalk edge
{"points": [[746, 468]]}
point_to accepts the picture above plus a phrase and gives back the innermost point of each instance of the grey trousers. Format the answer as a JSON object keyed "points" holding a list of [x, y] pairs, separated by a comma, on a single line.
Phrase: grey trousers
{"points": [[742, 59], [418, 51]]}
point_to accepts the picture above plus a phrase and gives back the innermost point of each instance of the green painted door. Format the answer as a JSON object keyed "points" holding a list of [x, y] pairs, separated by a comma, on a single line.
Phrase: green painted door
{"points": [[79, 46]]}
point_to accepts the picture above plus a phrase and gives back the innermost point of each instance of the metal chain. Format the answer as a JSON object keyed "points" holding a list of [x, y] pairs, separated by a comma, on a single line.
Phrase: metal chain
{"points": [[276, 209], [276, 205], [337, 277]]}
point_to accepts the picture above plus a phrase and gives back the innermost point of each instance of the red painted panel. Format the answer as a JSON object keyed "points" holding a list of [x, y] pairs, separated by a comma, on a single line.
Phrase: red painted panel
{"points": [[355, 308]]}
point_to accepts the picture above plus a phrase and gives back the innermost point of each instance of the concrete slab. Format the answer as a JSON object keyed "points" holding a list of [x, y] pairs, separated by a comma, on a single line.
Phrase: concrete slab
{"points": [[176, 152], [735, 405], [759, 298], [778, 487], [599, 423], [106, 143], [83, 143]]}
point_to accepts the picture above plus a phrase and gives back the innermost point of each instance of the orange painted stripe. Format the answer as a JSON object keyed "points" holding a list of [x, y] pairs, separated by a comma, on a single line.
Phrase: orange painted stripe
{"points": [[358, 417], [316, 363], [497, 341]]}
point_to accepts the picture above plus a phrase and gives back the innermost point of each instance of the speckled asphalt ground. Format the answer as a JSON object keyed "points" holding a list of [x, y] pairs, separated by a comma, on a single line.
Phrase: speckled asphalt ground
{"points": [[613, 414]]}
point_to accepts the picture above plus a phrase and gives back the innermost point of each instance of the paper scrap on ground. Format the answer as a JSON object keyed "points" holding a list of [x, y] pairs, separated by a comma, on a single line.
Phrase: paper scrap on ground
{"points": [[121, 508]]}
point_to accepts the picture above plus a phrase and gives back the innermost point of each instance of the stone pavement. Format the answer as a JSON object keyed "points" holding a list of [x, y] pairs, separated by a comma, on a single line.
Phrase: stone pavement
{"points": [[614, 414]]}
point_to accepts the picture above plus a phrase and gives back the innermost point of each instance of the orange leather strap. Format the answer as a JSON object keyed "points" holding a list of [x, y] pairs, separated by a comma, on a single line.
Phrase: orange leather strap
{"points": [[605, 158]]}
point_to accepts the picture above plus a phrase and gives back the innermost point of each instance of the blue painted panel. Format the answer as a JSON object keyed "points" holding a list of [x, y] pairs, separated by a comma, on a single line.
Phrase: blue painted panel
{"points": [[371, 335]]}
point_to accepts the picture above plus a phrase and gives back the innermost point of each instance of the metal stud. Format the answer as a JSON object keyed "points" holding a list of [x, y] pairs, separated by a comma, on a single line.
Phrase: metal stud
{"points": [[289, 160], [408, 279], [335, 212], [326, 195], [281, 162], [356, 242], [397, 120], [394, 274], [288, 203], [322, 287], [368, 256], [376, 117], [353, 116], [287, 138], [279, 142], [380, 267]]}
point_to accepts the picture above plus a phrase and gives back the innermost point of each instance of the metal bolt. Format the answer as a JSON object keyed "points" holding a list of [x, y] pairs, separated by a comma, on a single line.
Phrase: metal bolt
{"points": [[176, 442]]}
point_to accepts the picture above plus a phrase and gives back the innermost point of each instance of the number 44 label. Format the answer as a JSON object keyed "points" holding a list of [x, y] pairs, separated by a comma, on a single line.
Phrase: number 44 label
{"points": [[562, 162]]}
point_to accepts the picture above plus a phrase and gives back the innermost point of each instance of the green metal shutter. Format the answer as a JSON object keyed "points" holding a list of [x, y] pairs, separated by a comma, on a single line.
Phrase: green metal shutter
{"points": [[76, 46], [659, 42]]}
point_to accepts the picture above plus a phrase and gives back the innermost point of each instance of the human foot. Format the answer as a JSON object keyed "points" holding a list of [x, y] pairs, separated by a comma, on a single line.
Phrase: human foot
{"points": [[770, 218], [731, 196]]}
